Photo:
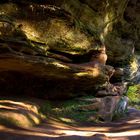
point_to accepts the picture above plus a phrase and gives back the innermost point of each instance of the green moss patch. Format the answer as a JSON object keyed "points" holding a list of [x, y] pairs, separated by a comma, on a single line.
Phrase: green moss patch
{"points": [[67, 111]]}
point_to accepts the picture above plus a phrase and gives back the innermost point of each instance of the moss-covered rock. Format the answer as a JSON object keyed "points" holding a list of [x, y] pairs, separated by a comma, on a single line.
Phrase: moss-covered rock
{"points": [[57, 41]]}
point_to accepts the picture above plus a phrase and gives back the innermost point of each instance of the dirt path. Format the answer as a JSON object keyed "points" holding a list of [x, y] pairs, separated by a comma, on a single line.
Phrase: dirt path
{"points": [[126, 129]]}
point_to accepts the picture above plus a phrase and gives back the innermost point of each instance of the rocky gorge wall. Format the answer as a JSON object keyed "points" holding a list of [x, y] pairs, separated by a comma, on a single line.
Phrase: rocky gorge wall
{"points": [[62, 49]]}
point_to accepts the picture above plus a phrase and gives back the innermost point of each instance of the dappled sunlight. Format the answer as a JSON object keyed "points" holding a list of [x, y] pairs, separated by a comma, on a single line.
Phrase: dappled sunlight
{"points": [[42, 132], [92, 71], [29, 133], [67, 127], [96, 72], [108, 21], [18, 104], [57, 81], [7, 107], [67, 120], [124, 134], [59, 65], [134, 121], [30, 30], [14, 113], [134, 65], [109, 134], [82, 74], [78, 133]]}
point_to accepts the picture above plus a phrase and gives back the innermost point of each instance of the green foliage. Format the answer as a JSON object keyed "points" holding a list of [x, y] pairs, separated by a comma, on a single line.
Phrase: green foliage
{"points": [[134, 96], [67, 111], [71, 107]]}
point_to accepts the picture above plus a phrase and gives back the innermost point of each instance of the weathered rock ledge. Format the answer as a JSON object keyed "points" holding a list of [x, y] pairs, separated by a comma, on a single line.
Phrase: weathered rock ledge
{"points": [[65, 49]]}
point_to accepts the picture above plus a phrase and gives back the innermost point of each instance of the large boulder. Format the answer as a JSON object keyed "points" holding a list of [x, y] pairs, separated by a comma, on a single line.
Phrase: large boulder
{"points": [[48, 56], [59, 44], [106, 107], [48, 77], [111, 106]]}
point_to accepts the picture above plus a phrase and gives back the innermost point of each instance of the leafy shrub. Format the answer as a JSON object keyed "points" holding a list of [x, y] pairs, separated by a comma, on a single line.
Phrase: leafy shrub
{"points": [[133, 94]]}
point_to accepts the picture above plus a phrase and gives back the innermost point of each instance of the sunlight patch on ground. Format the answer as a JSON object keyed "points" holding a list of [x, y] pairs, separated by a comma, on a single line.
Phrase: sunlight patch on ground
{"points": [[58, 133], [90, 133], [134, 121], [14, 104], [55, 128], [67, 120]]}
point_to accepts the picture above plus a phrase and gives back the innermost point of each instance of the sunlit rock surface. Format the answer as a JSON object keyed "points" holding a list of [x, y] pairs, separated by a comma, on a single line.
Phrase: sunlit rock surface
{"points": [[62, 49]]}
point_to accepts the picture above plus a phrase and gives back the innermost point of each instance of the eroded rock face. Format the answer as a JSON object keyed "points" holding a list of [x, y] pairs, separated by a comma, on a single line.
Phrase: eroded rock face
{"points": [[107, 107], [131, 16], [21, 61], [60, 44], [54, 78], [111, 106], [117, 89], [124, 39]]}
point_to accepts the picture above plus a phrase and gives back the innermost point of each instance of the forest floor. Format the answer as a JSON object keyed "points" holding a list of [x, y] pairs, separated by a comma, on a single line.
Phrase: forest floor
{"points": [[126, 128]]}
